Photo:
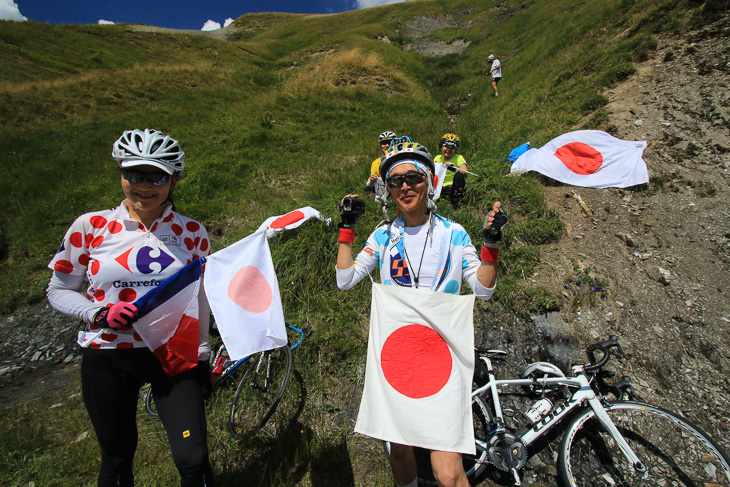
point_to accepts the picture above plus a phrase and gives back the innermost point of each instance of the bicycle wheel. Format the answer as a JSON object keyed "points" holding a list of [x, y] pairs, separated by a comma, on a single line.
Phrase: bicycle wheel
{"points": [[473, 464], [259, 393], [674, 451], [149, 403]]}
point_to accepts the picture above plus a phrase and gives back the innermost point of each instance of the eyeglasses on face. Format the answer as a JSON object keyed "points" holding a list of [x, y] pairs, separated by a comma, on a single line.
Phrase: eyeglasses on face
{"points": [[411, 178], [156, 178], [450, 145]]}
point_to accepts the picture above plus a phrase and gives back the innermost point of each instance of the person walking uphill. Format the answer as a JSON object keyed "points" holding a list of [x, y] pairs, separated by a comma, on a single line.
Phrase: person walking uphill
{"points": [[496, 72], [425, 252], [124, 253], [455, 180]]}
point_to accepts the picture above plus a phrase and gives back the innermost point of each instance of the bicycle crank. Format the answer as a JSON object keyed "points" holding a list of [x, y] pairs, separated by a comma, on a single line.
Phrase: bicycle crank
{"points": [[507, 452]]}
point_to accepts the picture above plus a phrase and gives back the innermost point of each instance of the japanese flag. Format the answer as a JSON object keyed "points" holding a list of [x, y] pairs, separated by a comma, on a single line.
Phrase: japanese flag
{"points": [[419, 369], [243, 293], [588, 158], [439, 179], [291, 220]]}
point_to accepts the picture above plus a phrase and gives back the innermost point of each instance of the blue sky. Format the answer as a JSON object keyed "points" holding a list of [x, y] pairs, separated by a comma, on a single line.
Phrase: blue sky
{"points": [[179, 14]]}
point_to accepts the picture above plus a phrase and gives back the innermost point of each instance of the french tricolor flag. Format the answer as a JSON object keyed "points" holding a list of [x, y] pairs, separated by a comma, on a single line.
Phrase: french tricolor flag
{"points": [[168, 319]]}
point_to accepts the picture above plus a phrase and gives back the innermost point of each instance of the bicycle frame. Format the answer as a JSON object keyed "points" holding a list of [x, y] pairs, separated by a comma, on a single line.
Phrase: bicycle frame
{"points": [[231, 366], [584, 393]]}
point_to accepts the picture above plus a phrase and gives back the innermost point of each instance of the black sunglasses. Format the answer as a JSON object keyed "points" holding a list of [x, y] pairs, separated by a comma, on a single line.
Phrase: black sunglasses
{"points": [[411, 178], [156, 178]]}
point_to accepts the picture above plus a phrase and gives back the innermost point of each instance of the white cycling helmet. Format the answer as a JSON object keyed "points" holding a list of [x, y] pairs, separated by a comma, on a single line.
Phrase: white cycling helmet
{"points": [[490, 57], [149, 148], [541, 370], [386, 136]]}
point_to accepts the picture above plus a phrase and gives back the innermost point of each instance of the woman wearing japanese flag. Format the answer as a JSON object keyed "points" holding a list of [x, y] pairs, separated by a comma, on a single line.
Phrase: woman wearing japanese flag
{"points": [[124, 253], [420, 250]]}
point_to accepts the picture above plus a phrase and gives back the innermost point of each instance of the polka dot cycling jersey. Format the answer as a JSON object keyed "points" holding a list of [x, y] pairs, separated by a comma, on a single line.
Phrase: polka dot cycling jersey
{"points": [[123, 260]]}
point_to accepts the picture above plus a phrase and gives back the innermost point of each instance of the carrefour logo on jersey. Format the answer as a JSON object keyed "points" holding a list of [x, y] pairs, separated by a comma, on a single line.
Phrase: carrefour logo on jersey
{"points": [[147, 260]]}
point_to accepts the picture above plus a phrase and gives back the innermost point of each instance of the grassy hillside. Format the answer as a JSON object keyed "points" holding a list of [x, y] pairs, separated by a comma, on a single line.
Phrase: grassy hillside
{"points": [[284, 115]]}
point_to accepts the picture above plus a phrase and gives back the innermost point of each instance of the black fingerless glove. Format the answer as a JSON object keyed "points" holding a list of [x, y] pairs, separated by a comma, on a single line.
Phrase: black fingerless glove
{"points": [[493, 234], [350, 211]]}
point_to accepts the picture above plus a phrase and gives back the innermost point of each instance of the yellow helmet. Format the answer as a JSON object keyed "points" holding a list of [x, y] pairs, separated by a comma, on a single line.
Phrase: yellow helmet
{"points": [[449, 140]]}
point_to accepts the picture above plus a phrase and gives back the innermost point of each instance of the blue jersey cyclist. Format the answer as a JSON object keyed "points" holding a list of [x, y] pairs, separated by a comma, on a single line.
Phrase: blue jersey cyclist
{"points": [[409, 252], [124, 253]]}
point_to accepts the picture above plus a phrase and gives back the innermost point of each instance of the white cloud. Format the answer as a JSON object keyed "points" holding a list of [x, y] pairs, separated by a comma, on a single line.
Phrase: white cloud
{"points": [[211, 25], [228, 22], [105, 22], [9, 10], [375, 3]]}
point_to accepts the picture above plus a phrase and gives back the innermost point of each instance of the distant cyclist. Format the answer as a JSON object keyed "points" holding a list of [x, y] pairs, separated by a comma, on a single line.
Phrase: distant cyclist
{"points": [[124, 253], [384, 139], [454, 185], [415, 251], [495, 71]]}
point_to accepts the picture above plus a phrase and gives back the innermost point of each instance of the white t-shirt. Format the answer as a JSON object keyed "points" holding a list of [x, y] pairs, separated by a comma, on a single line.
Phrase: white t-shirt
{"points": [[497, 73]]}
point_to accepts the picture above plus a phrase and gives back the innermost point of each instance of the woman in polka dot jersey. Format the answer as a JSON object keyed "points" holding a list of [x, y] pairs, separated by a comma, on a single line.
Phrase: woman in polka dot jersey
{"points": [[123, 253]]}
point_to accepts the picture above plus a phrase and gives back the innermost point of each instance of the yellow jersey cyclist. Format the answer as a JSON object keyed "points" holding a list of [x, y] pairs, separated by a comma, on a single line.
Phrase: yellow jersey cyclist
{"points": [[455, 180]]}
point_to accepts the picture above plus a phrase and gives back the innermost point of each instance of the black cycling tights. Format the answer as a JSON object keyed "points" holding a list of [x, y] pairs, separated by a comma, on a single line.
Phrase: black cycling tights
{"points": [[456, 191], [110, 382]]}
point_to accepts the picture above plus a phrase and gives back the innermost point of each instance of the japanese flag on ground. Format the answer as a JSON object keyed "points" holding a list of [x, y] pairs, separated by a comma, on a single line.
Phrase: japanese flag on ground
{"points": [[588, 158], [419, 369], [243, 293], [440, 174], [168, 319]]}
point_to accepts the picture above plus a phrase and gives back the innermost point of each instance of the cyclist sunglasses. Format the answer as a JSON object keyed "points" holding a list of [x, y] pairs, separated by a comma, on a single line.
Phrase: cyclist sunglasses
{"points": [[156, 178], [411, 178]]}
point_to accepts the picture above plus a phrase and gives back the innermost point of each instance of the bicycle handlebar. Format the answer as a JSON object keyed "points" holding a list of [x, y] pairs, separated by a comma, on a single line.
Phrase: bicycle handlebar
{"points": [[605, 349]]}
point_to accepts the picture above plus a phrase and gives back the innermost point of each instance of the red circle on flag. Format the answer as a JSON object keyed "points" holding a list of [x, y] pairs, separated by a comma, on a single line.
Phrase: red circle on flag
{"points": [[250, 290], [580, 158], [416, 361], [288, 219]]}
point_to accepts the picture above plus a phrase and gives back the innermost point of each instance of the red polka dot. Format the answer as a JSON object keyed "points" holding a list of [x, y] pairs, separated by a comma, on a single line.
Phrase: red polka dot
{"points": [[137, 337], [93, 326], [88, 238], [114, 227], [109, 337], [63, 266], [168, 218], [97, 241], [94, 345], [288, 219], [189, 243], [188, 261], [77, 240], [176, 229], [125, 345], [97, 221], [204, 245], [580, 158], [99, 295], [141, 227], [154, 227], [192, 226], [416, 361], [84, 259], [127, 295], [95, 267]]}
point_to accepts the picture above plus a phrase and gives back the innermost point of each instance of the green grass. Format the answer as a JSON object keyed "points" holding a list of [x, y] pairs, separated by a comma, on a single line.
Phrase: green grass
{"points": [[285, 116]]}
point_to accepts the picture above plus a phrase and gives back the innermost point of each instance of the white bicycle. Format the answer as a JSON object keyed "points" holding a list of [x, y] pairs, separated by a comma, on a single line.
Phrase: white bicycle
{"points": [[605, 443]]}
